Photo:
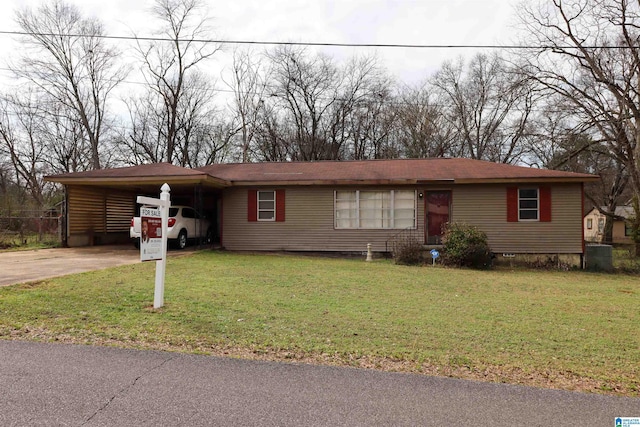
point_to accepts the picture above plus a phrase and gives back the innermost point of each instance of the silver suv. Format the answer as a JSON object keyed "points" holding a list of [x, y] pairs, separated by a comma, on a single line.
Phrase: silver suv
{"points": [[185, 224]]}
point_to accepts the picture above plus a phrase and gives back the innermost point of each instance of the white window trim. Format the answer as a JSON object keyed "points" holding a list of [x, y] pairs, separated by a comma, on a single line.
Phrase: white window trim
{"points": [[392, 210], [537, 218], [266, 210]]}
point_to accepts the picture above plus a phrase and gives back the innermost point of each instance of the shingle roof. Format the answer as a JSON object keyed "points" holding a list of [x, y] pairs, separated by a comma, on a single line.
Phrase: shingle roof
{"points": [[375, 172], [621, 211], [385, 171]]}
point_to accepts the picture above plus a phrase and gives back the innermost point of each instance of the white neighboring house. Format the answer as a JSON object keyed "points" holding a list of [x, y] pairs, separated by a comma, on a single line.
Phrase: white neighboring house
{"points": [[594, 222]]}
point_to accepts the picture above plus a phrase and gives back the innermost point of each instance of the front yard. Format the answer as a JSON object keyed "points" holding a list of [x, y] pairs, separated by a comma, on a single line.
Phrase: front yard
{"points": [[567, 330]]}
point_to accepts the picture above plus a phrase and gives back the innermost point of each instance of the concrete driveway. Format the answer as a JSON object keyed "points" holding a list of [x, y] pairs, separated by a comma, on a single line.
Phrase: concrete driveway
{"points": [[27, 266]]}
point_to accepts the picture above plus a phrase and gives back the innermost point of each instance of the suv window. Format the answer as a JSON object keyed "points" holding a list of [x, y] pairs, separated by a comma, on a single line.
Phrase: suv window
{"points": [[188, 213], [173, 212]]}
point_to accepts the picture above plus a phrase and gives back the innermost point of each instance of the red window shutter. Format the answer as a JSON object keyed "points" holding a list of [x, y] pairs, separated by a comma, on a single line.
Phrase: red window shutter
{"points": [[545, 204], [279, 205], [512, 204], [252, 206]]}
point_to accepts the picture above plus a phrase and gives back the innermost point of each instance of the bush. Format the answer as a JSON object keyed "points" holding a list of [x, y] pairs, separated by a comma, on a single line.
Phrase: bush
{"points": [[408, 251], [465, 246]]}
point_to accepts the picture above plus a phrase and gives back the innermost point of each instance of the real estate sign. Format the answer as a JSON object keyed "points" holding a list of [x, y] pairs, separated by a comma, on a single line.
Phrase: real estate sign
{"points": [[155, 248], [150, 234]]}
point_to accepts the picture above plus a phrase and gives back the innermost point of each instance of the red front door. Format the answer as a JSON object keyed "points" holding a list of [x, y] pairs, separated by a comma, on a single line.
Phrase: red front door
{"points": [[438, 205]]}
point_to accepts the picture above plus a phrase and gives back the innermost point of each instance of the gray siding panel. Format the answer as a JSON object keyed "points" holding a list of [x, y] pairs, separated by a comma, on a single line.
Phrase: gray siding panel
{"points": [[485, 207], [309, 224]]}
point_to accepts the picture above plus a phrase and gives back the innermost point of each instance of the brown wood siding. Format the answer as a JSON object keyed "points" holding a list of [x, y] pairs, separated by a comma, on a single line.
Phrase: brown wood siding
{"points": [[309, 224], [98, 211], [120, 210], [485, 207]]}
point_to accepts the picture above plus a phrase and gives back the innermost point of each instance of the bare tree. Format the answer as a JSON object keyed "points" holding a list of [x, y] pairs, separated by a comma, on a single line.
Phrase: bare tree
{"points": [[69, 61], [318, 108], [590, 54], [488, 105], [170, 71], [360, 122], [21, 141], [272, 137], [422, 128], [578, 152], [144, 141], [6, 182], [249, 82], [212, 141], [371, 125], [305, 90]]}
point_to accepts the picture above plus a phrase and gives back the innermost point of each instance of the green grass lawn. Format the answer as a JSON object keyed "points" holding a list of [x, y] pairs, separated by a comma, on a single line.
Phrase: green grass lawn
{"points": [[569, 330]]}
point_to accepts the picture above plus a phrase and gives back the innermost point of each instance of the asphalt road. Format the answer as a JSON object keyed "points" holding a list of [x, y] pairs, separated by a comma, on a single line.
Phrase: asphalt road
{"points": [[66, 385]]}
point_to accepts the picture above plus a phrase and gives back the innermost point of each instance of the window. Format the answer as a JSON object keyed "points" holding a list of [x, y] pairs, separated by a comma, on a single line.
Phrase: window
{"points": [[266, 205], [188, 213], [375, 209], [628, 229], [528, 204], [589, 223], [600, 225]]}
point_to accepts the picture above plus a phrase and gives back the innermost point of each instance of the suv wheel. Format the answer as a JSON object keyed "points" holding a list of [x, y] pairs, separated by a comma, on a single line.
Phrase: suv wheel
{"points": [[182, 239]]}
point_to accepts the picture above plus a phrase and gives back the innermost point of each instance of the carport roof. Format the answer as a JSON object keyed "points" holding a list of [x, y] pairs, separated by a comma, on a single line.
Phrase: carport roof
{"points": [[134, 176]]}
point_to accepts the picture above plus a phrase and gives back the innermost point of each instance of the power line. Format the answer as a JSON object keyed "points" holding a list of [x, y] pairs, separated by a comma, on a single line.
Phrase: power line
{"points": [[320, 44]]}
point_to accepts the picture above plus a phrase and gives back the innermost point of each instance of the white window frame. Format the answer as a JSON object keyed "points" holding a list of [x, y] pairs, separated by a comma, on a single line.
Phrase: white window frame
{"points": [[389, 217], [536, 209], [262, 210]]}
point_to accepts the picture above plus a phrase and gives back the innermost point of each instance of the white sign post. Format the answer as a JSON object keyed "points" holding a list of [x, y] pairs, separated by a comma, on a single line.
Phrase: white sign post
{"points": [[163, 204]]}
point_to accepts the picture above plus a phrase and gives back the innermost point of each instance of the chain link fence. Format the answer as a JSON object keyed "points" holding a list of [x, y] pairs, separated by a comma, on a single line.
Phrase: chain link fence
{"points": [[30, 228]]}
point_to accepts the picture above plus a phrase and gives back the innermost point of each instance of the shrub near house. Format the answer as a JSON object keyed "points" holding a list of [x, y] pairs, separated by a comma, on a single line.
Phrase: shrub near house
{"points": [[465, 246]]}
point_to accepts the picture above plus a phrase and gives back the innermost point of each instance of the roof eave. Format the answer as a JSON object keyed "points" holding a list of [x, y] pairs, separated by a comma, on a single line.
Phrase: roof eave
{"points": [[523, 180], [459, 181], [329, 182]]}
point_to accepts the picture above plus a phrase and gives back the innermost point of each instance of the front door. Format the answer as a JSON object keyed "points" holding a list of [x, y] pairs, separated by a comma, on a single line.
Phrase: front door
{"points": [[437, 209]]}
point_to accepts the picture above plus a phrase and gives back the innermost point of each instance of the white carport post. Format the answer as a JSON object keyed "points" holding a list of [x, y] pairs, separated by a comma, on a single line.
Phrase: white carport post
{"points": [[161, 265]]}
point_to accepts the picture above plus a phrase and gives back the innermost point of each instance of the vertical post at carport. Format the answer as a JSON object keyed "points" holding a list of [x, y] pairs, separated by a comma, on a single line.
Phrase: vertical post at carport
{"points": [[198, 206], [64, 227]]}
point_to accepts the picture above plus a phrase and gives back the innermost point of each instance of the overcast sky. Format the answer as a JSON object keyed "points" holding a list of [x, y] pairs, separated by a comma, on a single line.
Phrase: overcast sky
{"points": [[416, 22]]}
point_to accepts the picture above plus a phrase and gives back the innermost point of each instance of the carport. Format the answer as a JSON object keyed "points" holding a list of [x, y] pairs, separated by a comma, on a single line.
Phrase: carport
{"points": [[99, 204]]}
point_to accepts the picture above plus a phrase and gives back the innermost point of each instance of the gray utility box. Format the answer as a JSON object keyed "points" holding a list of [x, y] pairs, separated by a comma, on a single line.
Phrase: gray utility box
{"points": [[598, 258]]}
